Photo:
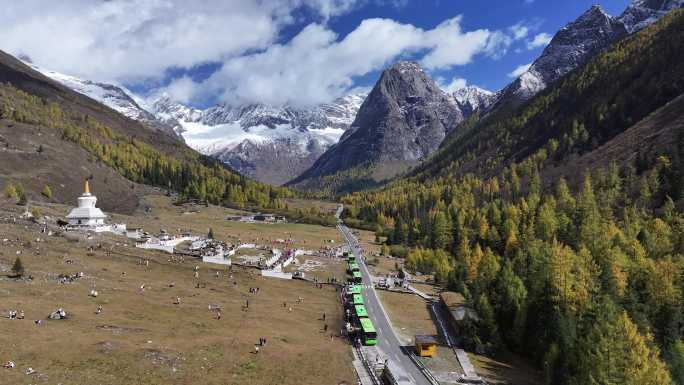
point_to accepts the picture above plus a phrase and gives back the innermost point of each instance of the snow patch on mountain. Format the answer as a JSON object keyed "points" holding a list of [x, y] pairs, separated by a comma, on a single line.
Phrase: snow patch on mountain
{"points": [[250, 138], [210, 140], [642, 13], [113, 96], [580, 40], [472, 98], [116, 97], [223, 127]]}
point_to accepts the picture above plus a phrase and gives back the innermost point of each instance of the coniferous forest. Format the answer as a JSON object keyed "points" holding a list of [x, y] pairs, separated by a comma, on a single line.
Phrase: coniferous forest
{"points": [[584, 278], [192, 175]]}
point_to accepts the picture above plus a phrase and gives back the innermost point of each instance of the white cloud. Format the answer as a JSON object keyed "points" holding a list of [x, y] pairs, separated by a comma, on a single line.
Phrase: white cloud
{"points": [[454, 85], [519, 70], [317, 66], [519, 30], [143, 41], [450, 46], [140, 39], [330, 8], [540, 40], [497, 44], [181, 89]]}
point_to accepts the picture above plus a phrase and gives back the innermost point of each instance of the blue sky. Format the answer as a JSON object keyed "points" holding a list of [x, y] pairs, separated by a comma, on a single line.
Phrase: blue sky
{"points": [[300, 52], [545, 15]]}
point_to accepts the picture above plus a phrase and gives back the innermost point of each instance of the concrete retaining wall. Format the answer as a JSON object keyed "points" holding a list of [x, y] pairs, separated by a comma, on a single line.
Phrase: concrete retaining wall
{"points": [[276, 274]]}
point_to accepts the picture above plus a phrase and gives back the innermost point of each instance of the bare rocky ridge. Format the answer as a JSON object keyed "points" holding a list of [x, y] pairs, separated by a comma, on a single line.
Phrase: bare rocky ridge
{"points": [[404, 119], [471, 98], [573, 45], [642, 13], [579, 41]]}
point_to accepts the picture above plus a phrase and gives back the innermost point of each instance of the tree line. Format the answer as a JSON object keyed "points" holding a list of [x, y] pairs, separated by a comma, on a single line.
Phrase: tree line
{"points": [[585, 278], [193, 176]]}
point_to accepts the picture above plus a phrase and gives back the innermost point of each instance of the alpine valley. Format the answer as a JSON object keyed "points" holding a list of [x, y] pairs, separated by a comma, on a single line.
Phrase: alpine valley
{"points": [[441, 233], [362, 139]]}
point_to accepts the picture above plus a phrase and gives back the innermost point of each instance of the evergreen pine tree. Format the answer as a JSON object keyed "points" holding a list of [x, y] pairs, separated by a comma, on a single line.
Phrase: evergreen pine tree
{"points": [[18, 267]]}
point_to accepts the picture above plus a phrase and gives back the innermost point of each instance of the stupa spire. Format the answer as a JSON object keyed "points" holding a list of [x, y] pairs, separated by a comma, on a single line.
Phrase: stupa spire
{"points": [[86, 190]]}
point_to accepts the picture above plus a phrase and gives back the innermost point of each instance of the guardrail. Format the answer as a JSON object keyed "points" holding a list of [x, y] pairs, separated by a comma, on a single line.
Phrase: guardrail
{"points": [[469, 375], [423, 369], [367, 365]]}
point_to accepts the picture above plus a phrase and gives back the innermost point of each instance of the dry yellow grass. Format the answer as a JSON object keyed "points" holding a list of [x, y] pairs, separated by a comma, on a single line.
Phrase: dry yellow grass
{"points": [[507, 369], [409, 314], [385, 266], [199, 219], [145, 338], [323, 206]]}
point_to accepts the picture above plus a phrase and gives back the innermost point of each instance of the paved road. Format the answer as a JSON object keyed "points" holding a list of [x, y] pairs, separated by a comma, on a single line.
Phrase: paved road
{"points": [[388, 342]]}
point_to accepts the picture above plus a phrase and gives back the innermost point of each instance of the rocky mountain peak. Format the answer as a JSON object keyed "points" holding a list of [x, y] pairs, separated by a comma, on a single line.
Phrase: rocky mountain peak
{"points": [[570, 47], [580, 40], [405, 66], [407, 78], [589, 33], [404, 119], [641, 13], [471, 98], [270, 143]]}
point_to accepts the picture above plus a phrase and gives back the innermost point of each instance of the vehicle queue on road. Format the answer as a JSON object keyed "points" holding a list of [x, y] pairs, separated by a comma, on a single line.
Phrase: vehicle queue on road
{"points": [[358, 323]]}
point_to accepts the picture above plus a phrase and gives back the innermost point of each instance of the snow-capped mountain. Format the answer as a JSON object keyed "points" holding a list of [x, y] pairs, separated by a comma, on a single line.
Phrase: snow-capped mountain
{"points": [[578, 42], [471, 98], [570, 47], [269, 143], [115, 97], [642, 13]]}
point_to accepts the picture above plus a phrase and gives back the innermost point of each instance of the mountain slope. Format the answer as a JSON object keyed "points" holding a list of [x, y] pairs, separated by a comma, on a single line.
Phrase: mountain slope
{"points": [[579, 41], [570, 47], [472, 98], [580, 112], [115, 97], [55, 136], [272, 144], [658, 134], [642, 13], [556, 264], [404, 119]]}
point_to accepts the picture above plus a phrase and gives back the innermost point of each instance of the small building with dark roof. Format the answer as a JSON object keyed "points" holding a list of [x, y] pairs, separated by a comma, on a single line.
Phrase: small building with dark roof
{"points": [[426, 345]]}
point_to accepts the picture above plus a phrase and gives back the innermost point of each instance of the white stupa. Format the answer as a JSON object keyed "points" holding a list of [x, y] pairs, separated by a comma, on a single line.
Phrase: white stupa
{"points": [[86, 216]]}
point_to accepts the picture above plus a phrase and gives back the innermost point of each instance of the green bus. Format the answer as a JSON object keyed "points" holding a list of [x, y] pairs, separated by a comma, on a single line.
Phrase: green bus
{"points": [[368, 333], [357, 299], [361, 311], [351, 259], [356, 277], [354, 289], [353, 266]]}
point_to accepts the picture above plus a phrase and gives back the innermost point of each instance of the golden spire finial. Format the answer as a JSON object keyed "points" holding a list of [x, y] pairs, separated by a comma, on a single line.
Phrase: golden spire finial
{"points": [[87, 187]]}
